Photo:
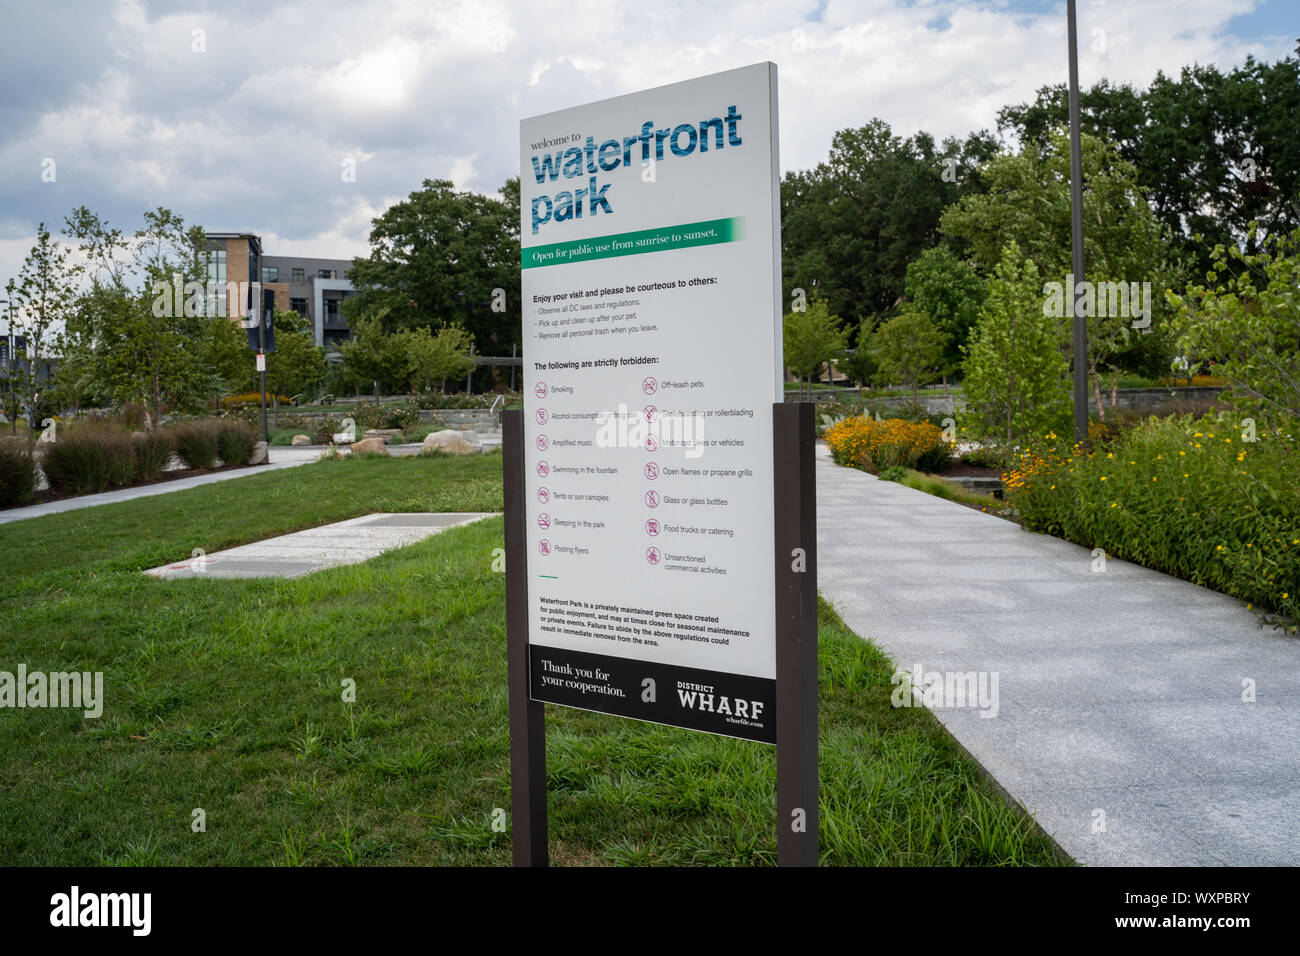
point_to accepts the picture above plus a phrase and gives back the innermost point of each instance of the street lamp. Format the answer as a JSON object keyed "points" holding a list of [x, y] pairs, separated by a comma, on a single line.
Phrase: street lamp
{"points": [[9, 364], [1080, 323]]}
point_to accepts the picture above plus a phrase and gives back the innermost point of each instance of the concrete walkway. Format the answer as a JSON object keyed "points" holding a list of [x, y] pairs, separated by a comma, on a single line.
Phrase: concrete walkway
{"points": [[281, 456], [331, 545], [1121, 723]]}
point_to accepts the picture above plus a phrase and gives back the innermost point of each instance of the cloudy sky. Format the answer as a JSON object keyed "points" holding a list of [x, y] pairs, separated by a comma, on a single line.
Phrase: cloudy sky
{"points": [[241, 114]]}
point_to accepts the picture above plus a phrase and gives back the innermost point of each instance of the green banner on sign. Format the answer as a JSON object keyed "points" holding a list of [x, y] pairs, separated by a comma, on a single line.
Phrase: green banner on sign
{"points": [[685, 236]]}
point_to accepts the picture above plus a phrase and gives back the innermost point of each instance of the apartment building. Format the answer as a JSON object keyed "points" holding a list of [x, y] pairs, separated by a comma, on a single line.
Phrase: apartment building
{"points": [[314, 288]]}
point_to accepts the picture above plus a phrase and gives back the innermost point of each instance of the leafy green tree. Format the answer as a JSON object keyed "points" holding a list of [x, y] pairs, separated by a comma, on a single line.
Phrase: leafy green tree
{"points": [[1029, 203], [810, 338], [41, 302], [908, 350], [132, 348], [1248, 325], [947, 289], [1213, 151], [1016, 376], [850, 226], [376, 359], [857, 363], [297, 365], [436, 358], [442, 257]]}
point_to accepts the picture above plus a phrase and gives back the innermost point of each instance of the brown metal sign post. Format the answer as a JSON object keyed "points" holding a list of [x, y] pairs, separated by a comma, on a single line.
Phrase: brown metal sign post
{"points": [[794, 504], [527, 716], [795, 501]]}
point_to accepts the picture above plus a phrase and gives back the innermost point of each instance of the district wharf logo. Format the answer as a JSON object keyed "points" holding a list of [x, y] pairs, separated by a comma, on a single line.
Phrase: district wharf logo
{"points": [[79, 690], [102, 909], [702, 697]]}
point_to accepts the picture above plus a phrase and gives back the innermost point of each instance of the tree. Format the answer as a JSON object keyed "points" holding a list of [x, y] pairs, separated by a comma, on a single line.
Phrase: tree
{"points": [[1214, 152], [947, 289], [1249, 325], [375, 358], [297, 365], [42, 300], [436, 358], [858, 364], [1028, 203], [810, 339], [907, 350], [1016, 383], [132, 348], [850, 226], [442, 257]]}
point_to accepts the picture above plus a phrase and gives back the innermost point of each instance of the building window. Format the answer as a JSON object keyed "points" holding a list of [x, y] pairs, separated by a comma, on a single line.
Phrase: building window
{"points": [[299, 306], [299, 275], [325, 273], [216, 265], [270, 274]]}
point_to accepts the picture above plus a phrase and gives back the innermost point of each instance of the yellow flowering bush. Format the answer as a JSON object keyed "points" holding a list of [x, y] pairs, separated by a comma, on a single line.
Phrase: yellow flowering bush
{"points": [[876, 445], [1195, 498]]}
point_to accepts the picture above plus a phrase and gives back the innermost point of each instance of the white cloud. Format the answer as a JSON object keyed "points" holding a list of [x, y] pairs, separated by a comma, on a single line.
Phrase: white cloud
{"points": [[251, 132]]}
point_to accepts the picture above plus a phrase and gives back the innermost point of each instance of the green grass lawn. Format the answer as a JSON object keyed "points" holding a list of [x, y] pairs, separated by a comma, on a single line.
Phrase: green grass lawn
{"points": [[227, 695]]}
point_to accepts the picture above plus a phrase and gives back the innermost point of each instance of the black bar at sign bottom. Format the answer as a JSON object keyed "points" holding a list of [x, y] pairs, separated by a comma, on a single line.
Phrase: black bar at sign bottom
{"points": [[732, 705]]}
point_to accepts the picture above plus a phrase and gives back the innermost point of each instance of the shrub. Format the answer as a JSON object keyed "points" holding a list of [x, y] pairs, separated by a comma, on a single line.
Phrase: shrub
{"points": [[86, 459], [196, 443], [1186, 496], [152, 452], [253, 400], [17, 473], [235, 442], [877, 445], [370, 415]]}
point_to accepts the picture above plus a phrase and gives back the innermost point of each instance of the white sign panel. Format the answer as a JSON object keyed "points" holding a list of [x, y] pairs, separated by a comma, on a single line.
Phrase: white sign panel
{"points": [[652, 356]]}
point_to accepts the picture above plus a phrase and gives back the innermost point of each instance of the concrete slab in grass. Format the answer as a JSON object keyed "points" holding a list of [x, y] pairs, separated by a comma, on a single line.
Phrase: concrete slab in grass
{"points": [[303, 552]]}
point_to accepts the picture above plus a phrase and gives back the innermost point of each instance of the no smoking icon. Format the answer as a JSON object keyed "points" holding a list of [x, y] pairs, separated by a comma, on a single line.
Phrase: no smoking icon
{"points": [[649, 385], [540, 390]]}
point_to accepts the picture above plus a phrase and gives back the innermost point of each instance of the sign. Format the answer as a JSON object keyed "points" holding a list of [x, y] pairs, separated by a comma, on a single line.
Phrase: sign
{"points": [[651, 307], [267, 316]]}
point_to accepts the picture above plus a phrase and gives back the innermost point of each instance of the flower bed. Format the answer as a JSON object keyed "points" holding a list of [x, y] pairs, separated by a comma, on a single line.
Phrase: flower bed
{"points": [[1191, 497], [876, 445]]}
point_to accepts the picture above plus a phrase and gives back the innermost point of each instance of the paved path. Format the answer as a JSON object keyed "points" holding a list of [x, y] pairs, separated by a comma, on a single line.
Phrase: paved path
{"points": [[1120, 691], [281, 456], [331, 545]]}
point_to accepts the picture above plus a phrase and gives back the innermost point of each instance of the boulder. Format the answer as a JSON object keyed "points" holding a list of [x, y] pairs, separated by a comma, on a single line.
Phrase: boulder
{"points": [[452, 442], [299, 441], [370, 446], [389, 435], [259, 455]]}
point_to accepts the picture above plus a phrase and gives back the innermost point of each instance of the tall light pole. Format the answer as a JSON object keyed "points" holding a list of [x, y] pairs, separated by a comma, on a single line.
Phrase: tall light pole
{"points": [[1080, 323], [9, 364]]}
